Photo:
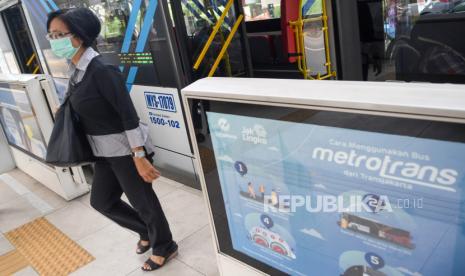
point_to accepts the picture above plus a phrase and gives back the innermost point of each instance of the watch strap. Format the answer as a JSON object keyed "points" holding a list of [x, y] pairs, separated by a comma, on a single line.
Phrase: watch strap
{"points": [[138, 154]]}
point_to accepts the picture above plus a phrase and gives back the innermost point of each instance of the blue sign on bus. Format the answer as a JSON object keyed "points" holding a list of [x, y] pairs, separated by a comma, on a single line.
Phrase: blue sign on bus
{"points": [[160, 101]]}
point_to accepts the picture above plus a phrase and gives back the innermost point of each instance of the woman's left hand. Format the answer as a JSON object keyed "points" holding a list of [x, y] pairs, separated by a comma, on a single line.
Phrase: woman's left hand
{"points": [[146, 170]]}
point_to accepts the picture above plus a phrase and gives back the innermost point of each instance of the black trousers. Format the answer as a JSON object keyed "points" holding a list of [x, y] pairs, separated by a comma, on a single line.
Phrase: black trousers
{"points": [[117, 175]]}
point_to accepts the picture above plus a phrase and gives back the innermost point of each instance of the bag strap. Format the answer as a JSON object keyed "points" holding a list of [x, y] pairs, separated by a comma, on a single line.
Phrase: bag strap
{"points": [[71, 83]]}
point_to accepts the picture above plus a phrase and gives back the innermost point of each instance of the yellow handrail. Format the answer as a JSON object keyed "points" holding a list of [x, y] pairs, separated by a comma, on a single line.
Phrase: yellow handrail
{"points": [[31, 59], [314, 19], [213, 34], [300, 43], [296, 28], [326, 35], [226, 45], [36, 70]]}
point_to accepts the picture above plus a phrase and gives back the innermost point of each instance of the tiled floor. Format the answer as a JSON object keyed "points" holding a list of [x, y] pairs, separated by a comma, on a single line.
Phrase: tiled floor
{"points": [[113, 246]]}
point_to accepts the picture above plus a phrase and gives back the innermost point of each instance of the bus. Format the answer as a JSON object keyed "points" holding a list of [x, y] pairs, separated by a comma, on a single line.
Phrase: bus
{"points": [[162, 46]]}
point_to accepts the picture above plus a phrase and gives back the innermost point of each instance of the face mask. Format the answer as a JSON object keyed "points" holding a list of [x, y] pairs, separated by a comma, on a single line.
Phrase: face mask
{"points": [[63, 47]]}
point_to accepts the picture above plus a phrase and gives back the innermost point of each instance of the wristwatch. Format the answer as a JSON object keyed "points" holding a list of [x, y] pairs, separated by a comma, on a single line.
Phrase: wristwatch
{"points": [[138, 154]]}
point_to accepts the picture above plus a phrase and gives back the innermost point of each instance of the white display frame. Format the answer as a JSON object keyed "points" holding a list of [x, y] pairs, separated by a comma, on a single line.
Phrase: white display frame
{"points": [[69, 183], [434, 102]]}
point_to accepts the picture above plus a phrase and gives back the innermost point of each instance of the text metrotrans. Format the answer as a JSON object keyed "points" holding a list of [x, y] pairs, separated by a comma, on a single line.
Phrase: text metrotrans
{"points": [[410, 172]]}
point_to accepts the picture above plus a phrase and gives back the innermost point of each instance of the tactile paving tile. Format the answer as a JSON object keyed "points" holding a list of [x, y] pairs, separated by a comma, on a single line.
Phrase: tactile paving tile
{"points": [[12, 262], [47, 249]]}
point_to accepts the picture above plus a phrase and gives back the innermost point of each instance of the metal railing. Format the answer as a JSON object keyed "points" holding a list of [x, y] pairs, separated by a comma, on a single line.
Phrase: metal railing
{"points": [[29, 63], [302, 57], [225, 43]]}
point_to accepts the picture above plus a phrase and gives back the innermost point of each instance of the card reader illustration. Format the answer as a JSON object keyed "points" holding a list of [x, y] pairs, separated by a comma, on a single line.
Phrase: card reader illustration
{"points": [[271, 240]]}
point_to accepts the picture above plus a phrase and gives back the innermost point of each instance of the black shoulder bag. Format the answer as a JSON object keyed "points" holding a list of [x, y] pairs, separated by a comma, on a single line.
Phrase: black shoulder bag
{"points": [[68, 145]]}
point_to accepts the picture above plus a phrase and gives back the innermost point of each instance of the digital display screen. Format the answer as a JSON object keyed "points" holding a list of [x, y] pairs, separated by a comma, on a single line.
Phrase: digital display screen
{"points": [[136, 59], [332, 195]]}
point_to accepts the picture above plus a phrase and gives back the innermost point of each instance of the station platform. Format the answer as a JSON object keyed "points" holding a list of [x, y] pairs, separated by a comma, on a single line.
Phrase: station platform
{"points": [[108, 248]]}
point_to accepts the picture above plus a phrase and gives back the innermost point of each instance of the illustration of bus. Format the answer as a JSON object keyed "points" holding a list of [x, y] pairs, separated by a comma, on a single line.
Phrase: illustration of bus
{"points": [[376, 230], [359, 227]]}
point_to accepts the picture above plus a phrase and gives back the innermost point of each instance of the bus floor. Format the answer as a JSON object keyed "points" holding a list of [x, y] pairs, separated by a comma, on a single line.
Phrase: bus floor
{"points": [[23, 201]]}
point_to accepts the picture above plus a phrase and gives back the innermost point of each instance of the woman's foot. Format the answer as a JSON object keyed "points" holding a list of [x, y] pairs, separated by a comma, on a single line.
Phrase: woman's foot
{"points": [[156, 262], [142, 246]]}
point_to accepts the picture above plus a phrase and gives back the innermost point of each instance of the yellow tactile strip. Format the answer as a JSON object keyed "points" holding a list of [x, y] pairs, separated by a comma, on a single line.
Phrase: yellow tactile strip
{"points": [[12, 262], [47, 249]]}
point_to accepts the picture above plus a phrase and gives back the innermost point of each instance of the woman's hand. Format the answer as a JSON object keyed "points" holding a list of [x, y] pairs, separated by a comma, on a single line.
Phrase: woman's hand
{"points": [[146, 170]]}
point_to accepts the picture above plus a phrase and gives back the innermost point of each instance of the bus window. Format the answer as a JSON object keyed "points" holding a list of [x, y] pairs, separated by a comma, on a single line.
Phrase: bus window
{"points": [[261, 9], [19, 55], [418, 40], [124, 39], [8, 64]]}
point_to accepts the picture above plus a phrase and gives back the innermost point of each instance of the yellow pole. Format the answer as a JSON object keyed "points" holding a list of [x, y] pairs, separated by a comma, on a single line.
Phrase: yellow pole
{"points": [[299, 43], [326, 34], [212, 35], [304, 53], [31, 59], [315, 19], [226, 45], [36, 70], [226, 57], [295, 29]]}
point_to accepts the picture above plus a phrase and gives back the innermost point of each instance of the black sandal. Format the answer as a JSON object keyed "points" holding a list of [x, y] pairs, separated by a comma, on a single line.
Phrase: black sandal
{"points": [[172, 252], [141, 249]]}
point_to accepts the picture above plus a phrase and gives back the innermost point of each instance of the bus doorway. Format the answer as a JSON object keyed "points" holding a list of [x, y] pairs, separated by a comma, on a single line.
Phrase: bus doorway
{"points": [[291, 39]]}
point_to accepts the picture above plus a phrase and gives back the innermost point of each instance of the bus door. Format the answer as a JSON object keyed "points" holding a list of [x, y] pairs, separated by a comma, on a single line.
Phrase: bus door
{"points": [[212, 42], [211, 38], [291, 38], [271, 39], [17, 52]]}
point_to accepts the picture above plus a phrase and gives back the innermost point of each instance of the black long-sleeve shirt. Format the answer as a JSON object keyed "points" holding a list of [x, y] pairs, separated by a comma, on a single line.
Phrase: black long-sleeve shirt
{"points": [[102, 101], [103, 105]]}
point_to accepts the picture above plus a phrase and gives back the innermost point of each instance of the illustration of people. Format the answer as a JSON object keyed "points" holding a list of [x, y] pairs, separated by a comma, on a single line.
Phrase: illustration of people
{"points": [[261, 189], [274, 197], [251, 190]]}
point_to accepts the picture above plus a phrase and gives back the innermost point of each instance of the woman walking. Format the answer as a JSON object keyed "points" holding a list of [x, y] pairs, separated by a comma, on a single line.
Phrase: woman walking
{"points": [[98, 95]]}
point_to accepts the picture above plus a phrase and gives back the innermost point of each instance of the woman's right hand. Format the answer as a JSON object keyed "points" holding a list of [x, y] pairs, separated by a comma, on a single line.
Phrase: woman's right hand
{"points": [[146, 170]]}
